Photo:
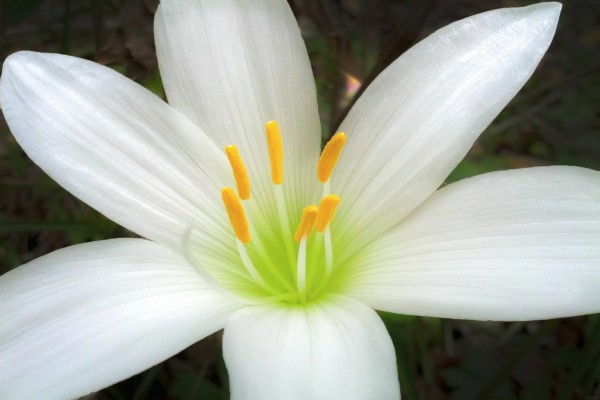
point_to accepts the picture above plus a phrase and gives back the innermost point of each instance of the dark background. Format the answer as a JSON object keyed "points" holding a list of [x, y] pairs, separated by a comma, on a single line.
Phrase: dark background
{"points": [[555, 119]]}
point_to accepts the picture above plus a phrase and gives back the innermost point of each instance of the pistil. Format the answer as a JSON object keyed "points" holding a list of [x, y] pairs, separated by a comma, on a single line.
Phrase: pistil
{"points": [[275, 145]]}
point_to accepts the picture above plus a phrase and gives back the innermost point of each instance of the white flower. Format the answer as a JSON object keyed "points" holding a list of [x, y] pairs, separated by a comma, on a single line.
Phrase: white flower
{"points": [[298, 317]]}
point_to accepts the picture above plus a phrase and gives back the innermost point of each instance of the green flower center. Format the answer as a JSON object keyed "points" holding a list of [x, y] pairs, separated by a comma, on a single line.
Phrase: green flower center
{"points": [[276, 261]]}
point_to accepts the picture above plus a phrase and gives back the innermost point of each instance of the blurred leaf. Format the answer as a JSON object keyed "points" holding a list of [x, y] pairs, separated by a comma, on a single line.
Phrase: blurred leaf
{"points": [[536, 391], [17, 10], [132, 43], [403, 330], [189, 386], [477, 366], [475, 165]]}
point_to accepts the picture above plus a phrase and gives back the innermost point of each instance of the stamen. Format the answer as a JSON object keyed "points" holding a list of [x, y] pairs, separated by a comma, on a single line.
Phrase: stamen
{"points": [[307, 221], [275, 152], [275, 145], [330, 155], [236, 214], [326, 210], [239, 172]]}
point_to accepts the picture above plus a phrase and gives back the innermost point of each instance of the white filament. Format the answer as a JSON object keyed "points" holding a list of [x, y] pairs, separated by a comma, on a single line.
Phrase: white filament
{"points": [[301, 268]]}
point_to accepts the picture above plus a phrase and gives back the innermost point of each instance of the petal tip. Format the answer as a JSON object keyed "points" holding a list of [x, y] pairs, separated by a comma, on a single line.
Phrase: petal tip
{"points": [[13, 67], [549, 9], [17, 58], [19, 62]]}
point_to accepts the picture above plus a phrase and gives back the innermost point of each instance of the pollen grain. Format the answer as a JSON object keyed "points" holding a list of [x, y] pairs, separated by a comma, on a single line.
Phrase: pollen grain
{"points": [[330, 155], [240, 174], [326, 210], [275, 144], [236, 214], [307, 222]]}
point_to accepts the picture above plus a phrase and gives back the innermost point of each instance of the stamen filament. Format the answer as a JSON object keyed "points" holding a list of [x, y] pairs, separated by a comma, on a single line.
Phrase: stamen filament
{"points": [[275, 144], [301, 268], [328, 263], [284, 223], [326, 188], [328, 254], [240, 173], [236, 214], [326, 211], [330, 155]]}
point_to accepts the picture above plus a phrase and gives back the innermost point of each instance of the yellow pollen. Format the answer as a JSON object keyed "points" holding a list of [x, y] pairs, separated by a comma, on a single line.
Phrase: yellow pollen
{"points": [[330, 155], [326, 211], [236, 214], [239, 172], [309, 214], [275, 152]]}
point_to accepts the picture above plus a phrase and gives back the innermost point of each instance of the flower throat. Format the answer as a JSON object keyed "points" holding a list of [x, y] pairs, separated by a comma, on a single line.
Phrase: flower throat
{"points": [[302, 283]]}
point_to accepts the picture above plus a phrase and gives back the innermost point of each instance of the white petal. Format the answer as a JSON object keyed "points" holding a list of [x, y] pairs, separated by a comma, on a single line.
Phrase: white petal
{"points": [[419, 118], [513, 245], [337, 350], [231, 66], [87, 316], [114, 145]]}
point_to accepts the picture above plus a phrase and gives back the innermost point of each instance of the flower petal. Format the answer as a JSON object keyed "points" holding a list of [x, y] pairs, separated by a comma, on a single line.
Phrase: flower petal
{"points": [[114, 145], [513, 245], [338, 349], [419, 118], [231, 66], [87, 316]]}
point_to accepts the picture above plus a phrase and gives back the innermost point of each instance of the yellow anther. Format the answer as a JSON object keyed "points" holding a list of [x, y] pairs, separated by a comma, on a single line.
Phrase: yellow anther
{"points": [[309, 215], [330, 155], [275, 152], [326, 211], [239, 172], [236, 214]]}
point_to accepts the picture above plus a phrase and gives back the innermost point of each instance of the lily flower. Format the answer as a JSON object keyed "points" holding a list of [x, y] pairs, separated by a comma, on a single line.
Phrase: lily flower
{"points": [[248, 226]]}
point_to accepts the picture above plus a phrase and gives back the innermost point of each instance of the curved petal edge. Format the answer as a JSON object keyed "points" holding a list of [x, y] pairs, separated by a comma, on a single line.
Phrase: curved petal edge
{"points": [[85, 317], [419, 118], [335, 350], [510, 245]]}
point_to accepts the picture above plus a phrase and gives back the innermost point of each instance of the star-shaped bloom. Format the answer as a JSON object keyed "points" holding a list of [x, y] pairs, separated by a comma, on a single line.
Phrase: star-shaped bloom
{"points": [[248, 226]]}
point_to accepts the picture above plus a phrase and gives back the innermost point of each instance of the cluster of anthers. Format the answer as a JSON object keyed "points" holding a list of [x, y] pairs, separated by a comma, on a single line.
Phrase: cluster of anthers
{"points": [[271, 278]]}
